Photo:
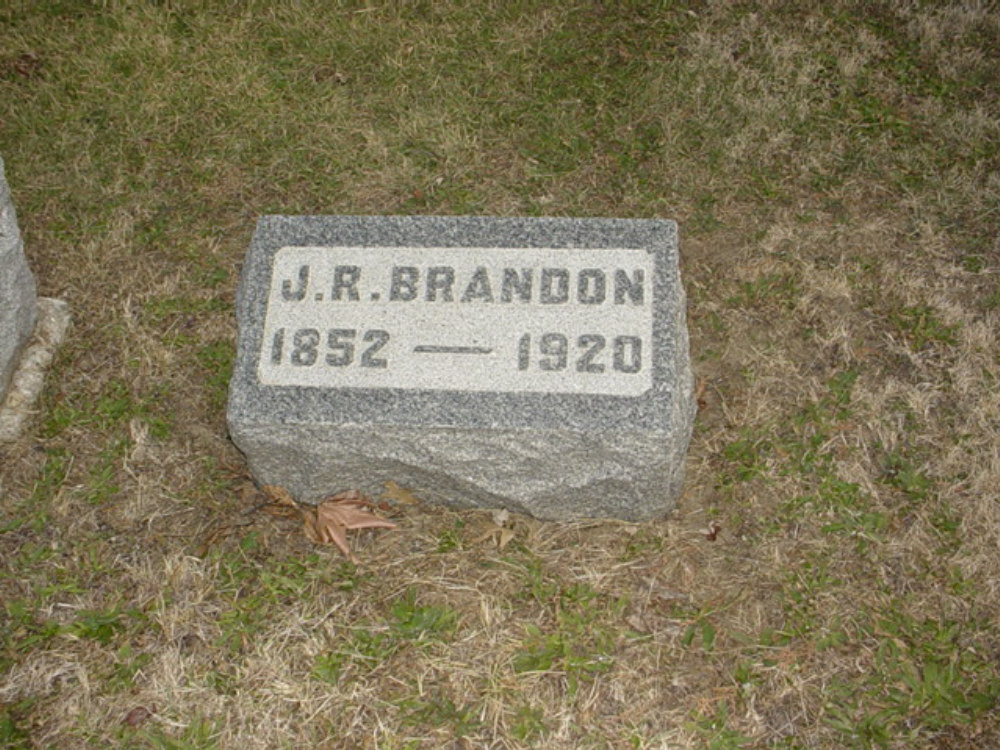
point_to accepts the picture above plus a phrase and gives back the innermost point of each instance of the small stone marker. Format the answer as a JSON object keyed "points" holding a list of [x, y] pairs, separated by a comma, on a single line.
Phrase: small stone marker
{"points": [[537, 364], [30, 328], [18, 303]]}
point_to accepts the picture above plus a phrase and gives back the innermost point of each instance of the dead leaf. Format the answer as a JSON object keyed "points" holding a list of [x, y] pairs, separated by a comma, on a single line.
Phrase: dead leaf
{"points": [[329, 521], [699, 394], [504, 538], [280, 503], [138, 715], [490, 533], [499, 530], [399, 494], [278, 495]]}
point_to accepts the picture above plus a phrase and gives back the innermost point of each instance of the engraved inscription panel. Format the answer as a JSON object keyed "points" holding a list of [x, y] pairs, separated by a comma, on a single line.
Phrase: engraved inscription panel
{"points": [[460, 319]]}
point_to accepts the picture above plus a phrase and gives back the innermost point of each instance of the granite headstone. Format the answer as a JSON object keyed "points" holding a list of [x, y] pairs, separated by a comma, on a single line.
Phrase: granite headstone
{"points": [[18, 301], [536, 364]]}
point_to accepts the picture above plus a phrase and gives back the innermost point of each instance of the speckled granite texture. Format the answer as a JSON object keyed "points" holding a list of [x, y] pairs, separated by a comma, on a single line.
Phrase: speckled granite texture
{"points": [[18, 303], [557, 441]]}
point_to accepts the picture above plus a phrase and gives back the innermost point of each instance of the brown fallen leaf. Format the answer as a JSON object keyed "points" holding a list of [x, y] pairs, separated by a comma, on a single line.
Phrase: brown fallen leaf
{"points": [[279, 502], [498, 531], [699, 394], [330, 520], [712, 533], [138, 715], [503, 539], [278, 495]]}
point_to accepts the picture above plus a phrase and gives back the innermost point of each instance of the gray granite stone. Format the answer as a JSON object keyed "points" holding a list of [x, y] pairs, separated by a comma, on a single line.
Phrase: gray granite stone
{"points": [[536, 364], [18, 303], [18, 406]]}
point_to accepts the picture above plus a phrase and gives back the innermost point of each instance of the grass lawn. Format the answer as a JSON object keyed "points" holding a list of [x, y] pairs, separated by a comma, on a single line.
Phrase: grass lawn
{"points": [[835, 171]]}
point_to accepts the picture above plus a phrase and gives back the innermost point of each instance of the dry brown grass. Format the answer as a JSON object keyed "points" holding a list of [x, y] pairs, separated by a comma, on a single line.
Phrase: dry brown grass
{"points": [[834, 172]]}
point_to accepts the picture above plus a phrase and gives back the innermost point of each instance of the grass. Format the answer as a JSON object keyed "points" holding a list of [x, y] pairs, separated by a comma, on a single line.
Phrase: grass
{"points": [[833, 168]]}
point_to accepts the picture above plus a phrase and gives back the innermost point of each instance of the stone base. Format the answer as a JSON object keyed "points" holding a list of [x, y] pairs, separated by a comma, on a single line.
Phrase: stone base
{"points": [[551, 475], [560, 401], [26, 384]]}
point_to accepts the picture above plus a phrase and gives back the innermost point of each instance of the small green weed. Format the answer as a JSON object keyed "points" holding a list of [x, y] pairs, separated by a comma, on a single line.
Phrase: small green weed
{"points": [[925, 680], [217, 360], [441, 711], [128, 665], [23, 631], [566, 652], [253, 587], [416, 622], [850, 510], [34, 513], [528, 722], [451, 539], [841, 385], [102, 483], [537, 585], [97, 625], [703, 628], [781, 288], [113, 408], [745, 674], [992, 300], [13, 736], [948, 526], [367, 647], [327, 667], [833, 408], [974, 263], [223, 681], [921, 326], [801, 592], [578, 645], [904, 472], [747, 456], [644, 541], [363, 649], [704, 219], [713, 729], [200, 735]]}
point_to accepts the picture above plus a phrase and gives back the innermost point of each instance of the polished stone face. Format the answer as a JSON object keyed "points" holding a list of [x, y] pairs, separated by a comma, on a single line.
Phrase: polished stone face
{"points": [[532, 363], [18, 305], [516, 320]]}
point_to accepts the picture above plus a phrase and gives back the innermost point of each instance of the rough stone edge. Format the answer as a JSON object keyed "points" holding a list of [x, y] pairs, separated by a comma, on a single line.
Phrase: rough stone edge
{"points": [[29, 376]]}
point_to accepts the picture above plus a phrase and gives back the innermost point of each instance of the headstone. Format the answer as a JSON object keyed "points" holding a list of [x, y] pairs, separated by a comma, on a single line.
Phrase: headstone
{"points": [[18, 302], [536, 364], [30, 329]]}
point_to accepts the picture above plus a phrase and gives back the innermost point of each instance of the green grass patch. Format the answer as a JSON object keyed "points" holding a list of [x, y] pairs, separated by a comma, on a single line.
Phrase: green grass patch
{"points": [[926, 680], [580, 643], [365, 647], [921, 326]]}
